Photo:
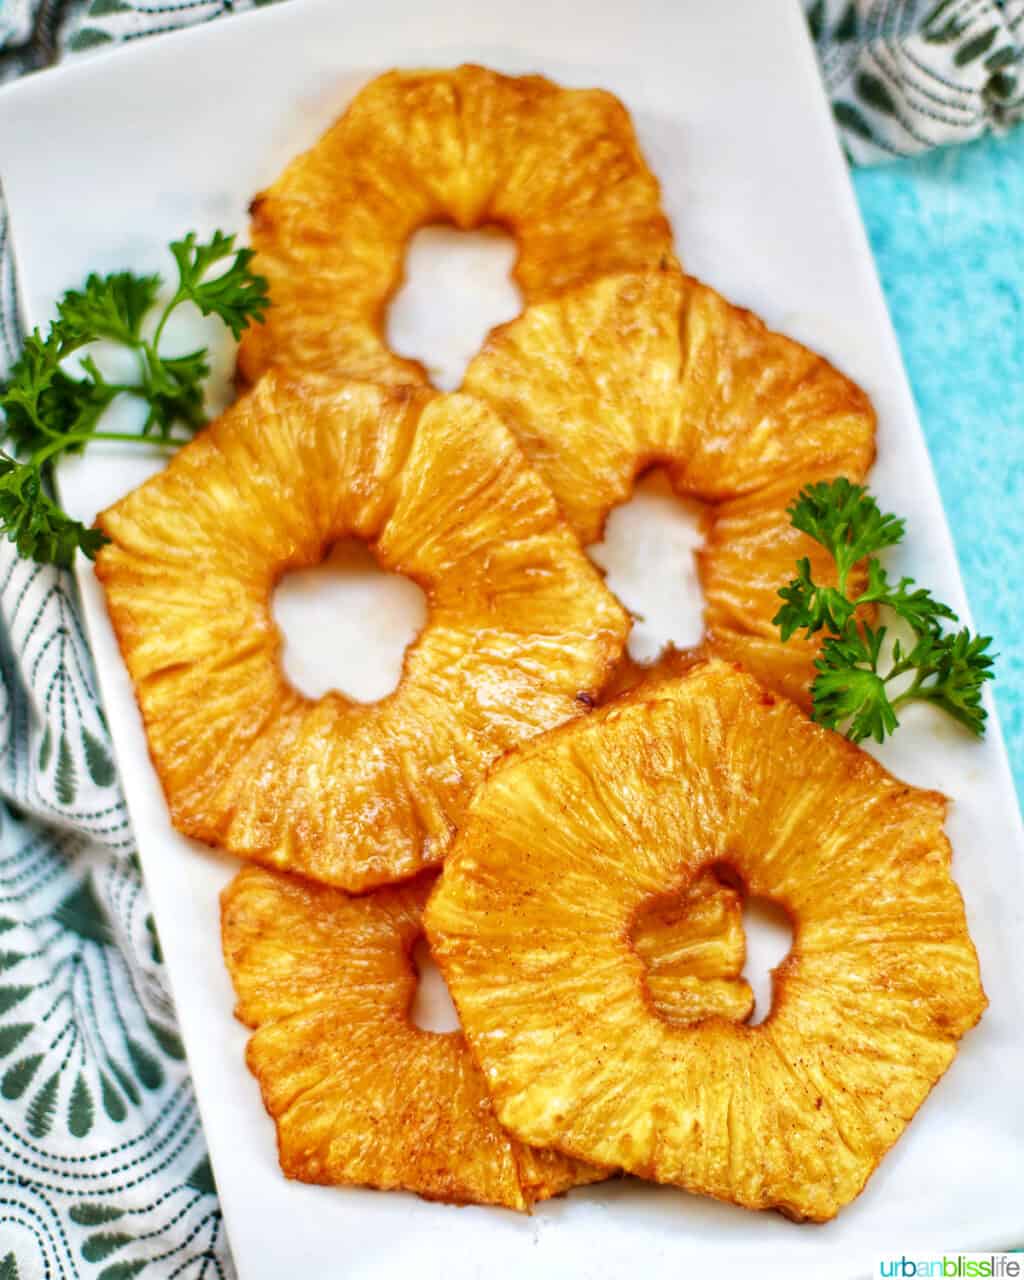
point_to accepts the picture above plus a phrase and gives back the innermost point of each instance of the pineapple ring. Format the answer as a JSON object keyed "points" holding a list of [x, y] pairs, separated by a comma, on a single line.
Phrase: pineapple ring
{"points": [[530, 924], [520, 636], [362, 1096], [560, 168], [643, 369]]}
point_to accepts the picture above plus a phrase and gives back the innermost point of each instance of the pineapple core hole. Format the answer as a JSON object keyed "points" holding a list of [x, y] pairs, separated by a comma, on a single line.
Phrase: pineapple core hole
{"points": [[432, 1008], [769, 935], [647, 555], [347, 624], [458, 285]]}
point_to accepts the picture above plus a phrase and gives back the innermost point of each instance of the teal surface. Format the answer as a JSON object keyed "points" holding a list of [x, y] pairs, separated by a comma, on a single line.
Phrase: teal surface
{"points": [[948, 234]]}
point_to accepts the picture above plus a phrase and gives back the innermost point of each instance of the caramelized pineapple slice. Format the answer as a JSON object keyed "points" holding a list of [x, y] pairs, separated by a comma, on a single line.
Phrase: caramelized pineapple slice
{"points": [[581, 830], [362, 1096], [645, 369], [359, 1094], [520, 636], [560, 168], [751, 550]]}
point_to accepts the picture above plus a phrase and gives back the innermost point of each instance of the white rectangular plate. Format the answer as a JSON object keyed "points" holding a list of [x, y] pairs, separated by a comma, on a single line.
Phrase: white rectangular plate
{"points": [[106, 161]]}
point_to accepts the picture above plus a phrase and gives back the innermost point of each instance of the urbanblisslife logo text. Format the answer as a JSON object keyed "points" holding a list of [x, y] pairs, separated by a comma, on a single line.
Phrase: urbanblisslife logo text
{"points": [[954, 1266]]}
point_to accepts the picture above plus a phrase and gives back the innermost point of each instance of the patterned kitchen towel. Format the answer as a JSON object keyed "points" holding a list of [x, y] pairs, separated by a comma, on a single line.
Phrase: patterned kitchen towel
{"points": [[103, 1170], [906, 76], [103, 1167], [903, 75]]}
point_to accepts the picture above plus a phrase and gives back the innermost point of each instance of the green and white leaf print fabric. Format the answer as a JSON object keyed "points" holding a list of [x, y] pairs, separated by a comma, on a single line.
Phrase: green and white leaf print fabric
{"points": [[103, 1168], [905, 76]]}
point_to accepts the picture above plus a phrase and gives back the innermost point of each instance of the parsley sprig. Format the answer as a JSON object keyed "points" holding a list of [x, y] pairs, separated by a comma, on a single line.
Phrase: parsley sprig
{"points": [[857, 671], [50, 410]]}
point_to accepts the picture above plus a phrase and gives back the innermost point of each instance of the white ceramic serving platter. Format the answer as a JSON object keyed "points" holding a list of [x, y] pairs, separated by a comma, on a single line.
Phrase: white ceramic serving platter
{"points": [[106, 161]]}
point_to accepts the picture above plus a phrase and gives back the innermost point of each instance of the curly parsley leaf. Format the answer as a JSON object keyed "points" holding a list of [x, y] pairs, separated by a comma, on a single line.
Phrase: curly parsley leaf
{"points": [[915, 605], [859, 676], [236, 295], [32, 520], [811, 607], [847, 522], [32, 396], [848, 689], [108, 307], [50, 408], [949, 672]]}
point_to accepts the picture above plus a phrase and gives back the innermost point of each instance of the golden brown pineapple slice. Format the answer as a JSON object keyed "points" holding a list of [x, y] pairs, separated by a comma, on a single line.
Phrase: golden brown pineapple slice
{"points": [[359, 1094], [579, 830], [560, 168], [638, 370], [520, 635], [362, 1096], [751, 550]]}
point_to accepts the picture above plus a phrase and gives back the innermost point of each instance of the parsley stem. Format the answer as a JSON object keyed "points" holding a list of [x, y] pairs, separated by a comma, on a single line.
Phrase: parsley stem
{"points": [[154, 344], [47, 410], [44, 455], [911, 693], [43, 427]]}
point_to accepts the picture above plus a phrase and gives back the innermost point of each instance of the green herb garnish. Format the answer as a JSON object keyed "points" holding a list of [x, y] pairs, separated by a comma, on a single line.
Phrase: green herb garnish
{"points": [[854, 688], [50, 411]]}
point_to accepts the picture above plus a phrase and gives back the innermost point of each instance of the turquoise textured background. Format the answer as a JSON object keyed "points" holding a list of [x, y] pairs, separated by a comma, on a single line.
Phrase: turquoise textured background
{"points": [[947, 231]]}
